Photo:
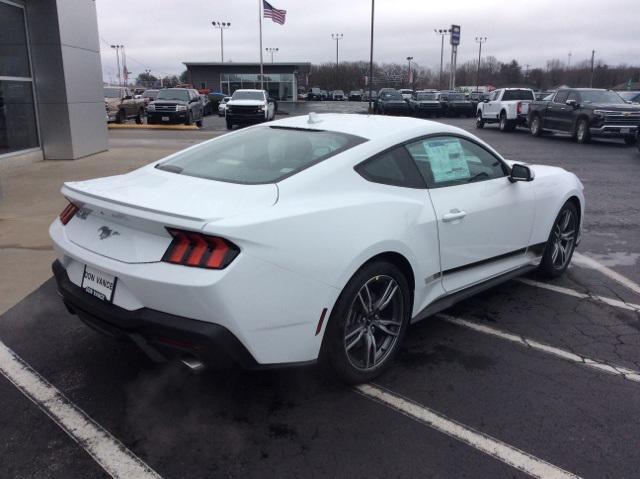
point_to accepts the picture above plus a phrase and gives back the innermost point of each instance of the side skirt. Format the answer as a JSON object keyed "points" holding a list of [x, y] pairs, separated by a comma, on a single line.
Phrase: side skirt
{"points": [[449, 300]]}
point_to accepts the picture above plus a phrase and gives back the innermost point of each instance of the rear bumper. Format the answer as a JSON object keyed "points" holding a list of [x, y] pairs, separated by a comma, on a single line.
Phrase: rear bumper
{"points": [[159, 334], [173, 116]]}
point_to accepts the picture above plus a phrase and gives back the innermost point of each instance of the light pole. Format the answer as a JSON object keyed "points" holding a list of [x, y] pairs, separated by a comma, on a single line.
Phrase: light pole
{"points": [[371, 59], [222, 26], [480, 41], [272, 51], [442, 32], [337, 37], [410, 76], [117, 49]]}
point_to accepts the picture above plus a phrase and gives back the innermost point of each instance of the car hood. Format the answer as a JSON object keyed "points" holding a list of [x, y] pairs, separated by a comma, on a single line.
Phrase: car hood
{"points": [[245, 103], [169, 102], [612, 107]]}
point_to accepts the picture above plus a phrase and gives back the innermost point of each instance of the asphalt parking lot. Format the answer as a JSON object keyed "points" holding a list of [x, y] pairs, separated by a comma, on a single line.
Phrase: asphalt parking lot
{"points": [[529, 379]]}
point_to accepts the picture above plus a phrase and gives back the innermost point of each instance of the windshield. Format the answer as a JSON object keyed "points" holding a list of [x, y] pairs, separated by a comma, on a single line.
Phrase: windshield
{"points": [[600, 96], [260, 155], [517, 95], [150, 94], [456, 96], [247, 95], [391, 95], [112, 93], [628, 95], [173, 94], [425, 96]]}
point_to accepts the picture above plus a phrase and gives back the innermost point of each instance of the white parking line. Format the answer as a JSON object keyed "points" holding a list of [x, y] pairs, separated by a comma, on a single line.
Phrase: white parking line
{"points": [[118, 461], [603, 299], [497, 449], [588, 262], [603, 366]]}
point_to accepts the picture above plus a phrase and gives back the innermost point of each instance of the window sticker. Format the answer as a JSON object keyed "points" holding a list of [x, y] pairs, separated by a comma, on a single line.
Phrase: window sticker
{"points": [[447, 158]]}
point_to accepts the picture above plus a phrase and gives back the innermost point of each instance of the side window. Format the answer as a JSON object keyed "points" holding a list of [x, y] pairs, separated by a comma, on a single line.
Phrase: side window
{"points": [[450, 161], [561, 96], [573, 95], [494, 95], [393, 167]]}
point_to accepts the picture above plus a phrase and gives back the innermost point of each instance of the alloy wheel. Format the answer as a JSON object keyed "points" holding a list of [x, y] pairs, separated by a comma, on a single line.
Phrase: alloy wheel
{"points": [[564, 236], [374, 322]]}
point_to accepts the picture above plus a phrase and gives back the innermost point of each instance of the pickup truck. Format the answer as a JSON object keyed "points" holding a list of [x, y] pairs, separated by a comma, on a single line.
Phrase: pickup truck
{"points": [[585, 113], [121, 105], [506, 106], [249, 106]]}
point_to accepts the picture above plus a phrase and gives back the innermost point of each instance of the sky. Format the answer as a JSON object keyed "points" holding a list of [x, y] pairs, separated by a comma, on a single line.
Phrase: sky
{"points": [[161, 34]]}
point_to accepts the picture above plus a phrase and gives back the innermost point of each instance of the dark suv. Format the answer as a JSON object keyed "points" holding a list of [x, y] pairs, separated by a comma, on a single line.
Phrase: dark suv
{"points": [[176, 105]]}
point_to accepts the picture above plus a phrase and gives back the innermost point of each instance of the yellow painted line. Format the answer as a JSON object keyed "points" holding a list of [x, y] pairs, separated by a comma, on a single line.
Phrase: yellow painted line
{"points": [[134, 126]]}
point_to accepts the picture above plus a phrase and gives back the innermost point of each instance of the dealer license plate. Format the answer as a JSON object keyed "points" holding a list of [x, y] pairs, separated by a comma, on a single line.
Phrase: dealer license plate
{"points": [[98, 283], [165, 118]]}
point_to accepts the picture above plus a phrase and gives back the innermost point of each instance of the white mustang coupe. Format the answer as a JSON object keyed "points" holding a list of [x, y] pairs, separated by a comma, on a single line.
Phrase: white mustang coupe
{"points": [[313, 238]]}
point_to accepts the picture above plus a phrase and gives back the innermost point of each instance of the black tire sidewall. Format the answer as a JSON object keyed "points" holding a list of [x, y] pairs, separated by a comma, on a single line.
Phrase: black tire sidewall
{"points": [[546, 268], [333, 355]]}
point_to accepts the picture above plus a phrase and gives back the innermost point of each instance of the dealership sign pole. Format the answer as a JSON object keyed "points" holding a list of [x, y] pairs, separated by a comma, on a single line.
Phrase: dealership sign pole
{"points": [[260, 20], [455, 41]]}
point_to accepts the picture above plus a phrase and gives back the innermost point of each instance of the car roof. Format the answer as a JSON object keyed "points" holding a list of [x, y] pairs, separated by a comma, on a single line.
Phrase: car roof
{"points": [[249, 89], [371, 127]]}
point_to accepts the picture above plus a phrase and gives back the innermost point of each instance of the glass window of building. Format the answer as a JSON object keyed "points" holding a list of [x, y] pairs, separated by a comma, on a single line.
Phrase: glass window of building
{"points": [[18, 129], [281, 86]]}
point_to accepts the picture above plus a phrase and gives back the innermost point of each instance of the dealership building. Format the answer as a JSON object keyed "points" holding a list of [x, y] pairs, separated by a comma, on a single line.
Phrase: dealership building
{"points": [[281, 80], [51, 95]]}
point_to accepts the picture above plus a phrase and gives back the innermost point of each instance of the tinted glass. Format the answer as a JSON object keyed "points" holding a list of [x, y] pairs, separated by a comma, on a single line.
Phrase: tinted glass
{"points": [[450, 161], [173, 94], [248, 95], [150, 94], [629, 95], [518, 95], [600, 96], [391, 95], [260, 155], [456, 96], [17, 116], [112, 93], [393, 167], [14, 59], [573, 95], [561, 96], [426, 96]]}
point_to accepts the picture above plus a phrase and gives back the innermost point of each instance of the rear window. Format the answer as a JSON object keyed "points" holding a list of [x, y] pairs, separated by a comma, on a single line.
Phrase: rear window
{"points": [[518, 95], [260, 155]]}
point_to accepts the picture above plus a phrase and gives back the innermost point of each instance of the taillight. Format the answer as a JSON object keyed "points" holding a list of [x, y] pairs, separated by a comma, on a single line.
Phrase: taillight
{"points": [[198, 250], [68, 213], [519, 108]]}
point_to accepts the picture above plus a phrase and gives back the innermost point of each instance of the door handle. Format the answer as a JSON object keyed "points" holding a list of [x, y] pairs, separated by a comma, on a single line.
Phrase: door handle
{"points": [[453, 215]]}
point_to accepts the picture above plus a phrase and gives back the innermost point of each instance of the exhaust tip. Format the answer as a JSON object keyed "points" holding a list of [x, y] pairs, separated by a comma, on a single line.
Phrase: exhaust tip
{"points": [[193, 364]]}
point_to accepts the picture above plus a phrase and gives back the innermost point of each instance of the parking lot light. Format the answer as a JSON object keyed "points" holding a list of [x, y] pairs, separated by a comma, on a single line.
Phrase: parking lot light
{"points": [[222, 26], [272, 51], [442, 32]]}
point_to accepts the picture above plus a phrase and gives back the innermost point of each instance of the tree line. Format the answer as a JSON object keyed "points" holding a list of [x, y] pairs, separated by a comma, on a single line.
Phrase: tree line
{"points": [[353, 75]]}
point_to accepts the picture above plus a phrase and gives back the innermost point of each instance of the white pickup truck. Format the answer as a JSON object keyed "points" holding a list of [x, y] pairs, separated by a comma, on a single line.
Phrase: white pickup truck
{"points": [[249, 106], [506, 106]]}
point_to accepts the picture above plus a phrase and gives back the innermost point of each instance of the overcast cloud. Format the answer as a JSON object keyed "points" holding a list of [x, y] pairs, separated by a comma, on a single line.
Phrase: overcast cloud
{"points": [[161, 34]]}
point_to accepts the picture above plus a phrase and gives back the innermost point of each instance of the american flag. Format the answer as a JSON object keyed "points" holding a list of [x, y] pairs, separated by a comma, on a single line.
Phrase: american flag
{"points": [[274, 14]]}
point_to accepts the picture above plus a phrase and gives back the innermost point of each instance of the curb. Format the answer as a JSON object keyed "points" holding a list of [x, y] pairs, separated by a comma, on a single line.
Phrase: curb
{"points": [[116, 126]]}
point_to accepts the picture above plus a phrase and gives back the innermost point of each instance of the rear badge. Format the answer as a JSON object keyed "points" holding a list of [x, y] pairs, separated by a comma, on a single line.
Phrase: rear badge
{"points": [[106, 232]]}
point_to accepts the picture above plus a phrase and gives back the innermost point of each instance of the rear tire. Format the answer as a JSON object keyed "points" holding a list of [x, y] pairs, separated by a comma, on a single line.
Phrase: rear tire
{"points": [[199, 123], [479, 120], [535, 127], [140, 117], [189, 119], [581, 133], [561, 243], [120, 117], [630, 140], [367, 324], [229, 125]]}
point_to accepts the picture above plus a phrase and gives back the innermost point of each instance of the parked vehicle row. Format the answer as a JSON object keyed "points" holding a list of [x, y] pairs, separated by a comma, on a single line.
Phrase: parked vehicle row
{"points": [[427, 103]]}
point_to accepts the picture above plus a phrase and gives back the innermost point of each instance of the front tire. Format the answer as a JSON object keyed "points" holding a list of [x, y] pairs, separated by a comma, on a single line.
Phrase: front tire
{"points": [[229, 125], [581, 134], [367, 324], [561, 243], [479, 120], [630, 140], [189, 119]]}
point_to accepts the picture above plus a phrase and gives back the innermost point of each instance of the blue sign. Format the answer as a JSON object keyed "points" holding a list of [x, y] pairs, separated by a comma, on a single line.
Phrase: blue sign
{"points": [[455, 34]]}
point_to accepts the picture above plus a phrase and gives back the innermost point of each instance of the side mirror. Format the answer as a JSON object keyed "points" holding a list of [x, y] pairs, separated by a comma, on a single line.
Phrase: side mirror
{"points": [[486, 100], [572, 103], [520, 172], [127, 97]]}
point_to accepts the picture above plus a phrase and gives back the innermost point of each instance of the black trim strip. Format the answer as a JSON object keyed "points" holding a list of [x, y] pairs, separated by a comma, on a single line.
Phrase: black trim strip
{"points": [[537, 249], [484, 261]]}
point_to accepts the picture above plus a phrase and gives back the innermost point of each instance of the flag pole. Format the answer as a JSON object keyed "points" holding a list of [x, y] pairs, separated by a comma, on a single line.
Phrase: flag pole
{"points": [[260, 20]]}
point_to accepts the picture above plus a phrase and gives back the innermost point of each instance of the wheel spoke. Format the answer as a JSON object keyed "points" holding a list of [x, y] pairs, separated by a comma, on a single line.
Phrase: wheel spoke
{"points": [[384, 329], [387, 296], [554, 254], [565, 220], [360, 332], [563, 254], [567, 236], [366, 303]]}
